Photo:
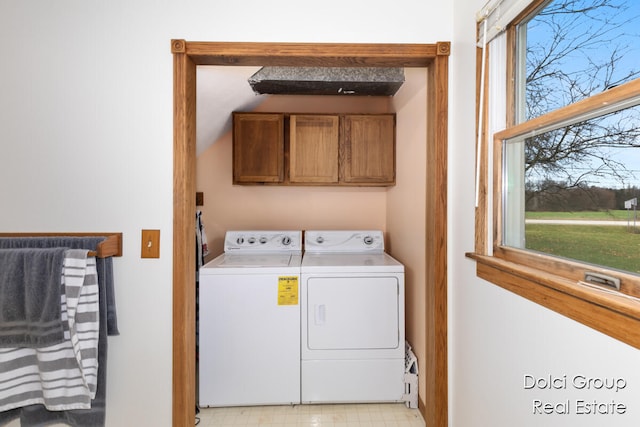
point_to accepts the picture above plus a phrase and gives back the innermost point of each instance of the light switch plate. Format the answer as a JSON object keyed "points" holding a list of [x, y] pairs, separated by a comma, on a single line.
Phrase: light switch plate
{"points": [[150, 247]]}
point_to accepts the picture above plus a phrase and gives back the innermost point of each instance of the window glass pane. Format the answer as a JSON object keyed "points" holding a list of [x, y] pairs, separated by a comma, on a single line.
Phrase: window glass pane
{"points": [[577, 188], [576, 49], [514, 194]]}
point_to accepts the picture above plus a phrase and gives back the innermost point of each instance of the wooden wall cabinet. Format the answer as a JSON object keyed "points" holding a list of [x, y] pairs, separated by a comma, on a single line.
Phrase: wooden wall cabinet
{"points": [[314, 149], [258, 148], [368, 149]]}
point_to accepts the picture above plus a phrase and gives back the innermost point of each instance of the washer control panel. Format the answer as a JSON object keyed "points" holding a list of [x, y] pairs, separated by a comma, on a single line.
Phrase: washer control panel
{"points": [[263, 241], [356, 241]]}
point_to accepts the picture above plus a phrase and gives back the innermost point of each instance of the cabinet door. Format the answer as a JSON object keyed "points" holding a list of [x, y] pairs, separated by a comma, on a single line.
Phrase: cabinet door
{"points": [[368, 149], [313, 151], [258, 148]]}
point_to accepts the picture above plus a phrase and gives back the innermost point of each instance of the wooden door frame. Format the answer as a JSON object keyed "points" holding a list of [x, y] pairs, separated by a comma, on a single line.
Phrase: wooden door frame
{"points": [[186, 57]]}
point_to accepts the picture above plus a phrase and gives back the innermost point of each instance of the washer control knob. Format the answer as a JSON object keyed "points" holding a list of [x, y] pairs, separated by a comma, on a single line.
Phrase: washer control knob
{"points": [[368, 240], [286, 240], [240, 240], [263, 240], [251, 240], [320, 240]]}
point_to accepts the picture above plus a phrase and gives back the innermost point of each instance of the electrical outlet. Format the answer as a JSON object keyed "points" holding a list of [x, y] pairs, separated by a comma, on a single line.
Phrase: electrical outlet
{"points": [[150, 247]]}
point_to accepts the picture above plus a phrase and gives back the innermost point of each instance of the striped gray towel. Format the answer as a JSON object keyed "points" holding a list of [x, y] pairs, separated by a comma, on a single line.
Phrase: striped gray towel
{"points": [[61, 376], [30, 297]]}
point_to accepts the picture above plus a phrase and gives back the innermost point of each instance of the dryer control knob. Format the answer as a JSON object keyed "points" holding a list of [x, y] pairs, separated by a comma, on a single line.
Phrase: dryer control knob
{"points": [[368, 240], [286, 240], [252, 240], [320, 240], [240, 240], [263, 240]]}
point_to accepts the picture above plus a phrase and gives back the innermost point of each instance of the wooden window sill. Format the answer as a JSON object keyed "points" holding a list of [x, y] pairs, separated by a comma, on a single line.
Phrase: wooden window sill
{"points": [[616, 316]]}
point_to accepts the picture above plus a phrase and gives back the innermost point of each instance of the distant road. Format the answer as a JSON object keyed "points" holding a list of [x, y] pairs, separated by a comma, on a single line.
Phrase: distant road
{"points": [[579, 222]]}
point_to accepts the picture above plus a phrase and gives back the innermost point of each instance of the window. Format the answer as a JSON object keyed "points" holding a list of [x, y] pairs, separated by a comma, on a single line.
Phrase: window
{"points": [[569, 50], [566, 165], [573, 184]]}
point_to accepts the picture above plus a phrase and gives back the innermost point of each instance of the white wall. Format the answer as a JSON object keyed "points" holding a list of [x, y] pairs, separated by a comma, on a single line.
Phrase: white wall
{"points": [[406, 207], [496, 338], [92, 80]]}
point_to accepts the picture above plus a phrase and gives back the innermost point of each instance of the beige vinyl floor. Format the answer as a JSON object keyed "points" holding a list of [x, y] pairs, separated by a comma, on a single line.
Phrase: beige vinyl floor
{"points": [[355, 415]]}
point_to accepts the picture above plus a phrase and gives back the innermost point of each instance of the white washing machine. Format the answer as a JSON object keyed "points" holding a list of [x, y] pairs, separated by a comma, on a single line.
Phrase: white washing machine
{"points": [[352, 302], [250, 321]]}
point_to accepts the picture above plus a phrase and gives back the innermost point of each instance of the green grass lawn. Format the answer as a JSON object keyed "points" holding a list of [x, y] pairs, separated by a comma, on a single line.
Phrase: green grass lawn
{"points": [[613, 215], [612, 246]]}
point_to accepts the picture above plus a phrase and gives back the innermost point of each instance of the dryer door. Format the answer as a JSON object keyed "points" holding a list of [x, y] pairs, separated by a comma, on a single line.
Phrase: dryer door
{"points": [[353, 313]]}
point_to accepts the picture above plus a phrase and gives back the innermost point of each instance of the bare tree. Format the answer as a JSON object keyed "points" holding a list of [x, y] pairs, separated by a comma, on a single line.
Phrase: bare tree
{"points": [[575, 49]]}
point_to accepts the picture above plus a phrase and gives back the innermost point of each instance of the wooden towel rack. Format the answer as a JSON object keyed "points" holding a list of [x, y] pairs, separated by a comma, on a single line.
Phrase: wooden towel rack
{"points": [[111, 246]]}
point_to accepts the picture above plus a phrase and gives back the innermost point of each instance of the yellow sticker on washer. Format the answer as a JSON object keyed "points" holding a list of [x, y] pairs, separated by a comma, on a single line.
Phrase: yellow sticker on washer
{"points": [[288, 290]]}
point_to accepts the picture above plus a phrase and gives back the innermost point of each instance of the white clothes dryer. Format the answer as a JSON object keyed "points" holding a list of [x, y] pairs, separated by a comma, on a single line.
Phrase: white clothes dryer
{"points": [[250, 321], [352, 319]]}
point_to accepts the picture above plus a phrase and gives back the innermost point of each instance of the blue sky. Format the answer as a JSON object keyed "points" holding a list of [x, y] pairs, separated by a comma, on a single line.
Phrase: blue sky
{"points": [[629, 35]]}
